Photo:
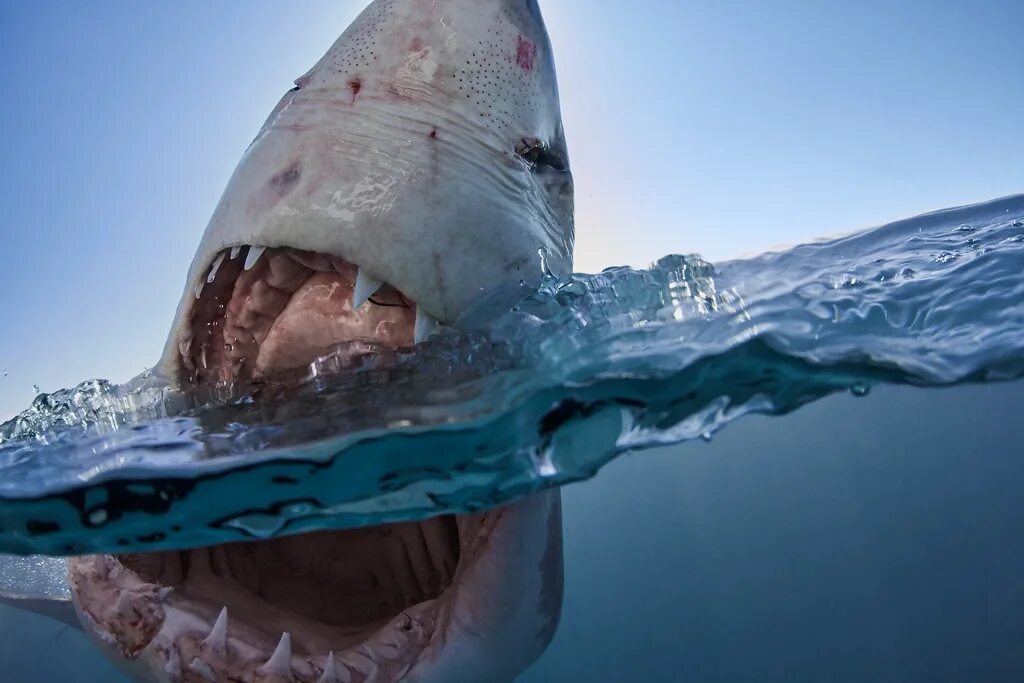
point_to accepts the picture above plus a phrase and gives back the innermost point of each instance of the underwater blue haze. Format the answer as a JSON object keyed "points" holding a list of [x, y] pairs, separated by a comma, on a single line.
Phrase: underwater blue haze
{"points": [[802, 465]]}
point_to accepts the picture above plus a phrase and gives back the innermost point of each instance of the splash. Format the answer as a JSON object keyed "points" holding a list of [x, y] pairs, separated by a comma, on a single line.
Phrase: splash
{"points": [[576, 373]]}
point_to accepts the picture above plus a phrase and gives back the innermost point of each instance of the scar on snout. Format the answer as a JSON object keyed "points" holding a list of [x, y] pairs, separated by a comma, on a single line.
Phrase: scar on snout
{"points": [[286, 179]]}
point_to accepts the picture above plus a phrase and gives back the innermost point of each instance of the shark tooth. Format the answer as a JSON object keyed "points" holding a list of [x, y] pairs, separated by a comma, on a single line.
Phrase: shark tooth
{"points": [[203, 669], [280, 662], [426, 325], [253, 256], [235, 251], [218, 638], [199, 290], [102, 565], [330, 674], [366, 285], [123, 606], [214, 268]]}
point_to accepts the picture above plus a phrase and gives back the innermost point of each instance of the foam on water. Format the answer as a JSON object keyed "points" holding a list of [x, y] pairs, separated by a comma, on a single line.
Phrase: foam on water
{"points": [[546, 393]]}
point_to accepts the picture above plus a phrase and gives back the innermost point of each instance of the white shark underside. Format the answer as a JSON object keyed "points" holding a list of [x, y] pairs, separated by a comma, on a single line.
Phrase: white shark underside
{"points": [[418, 166]]}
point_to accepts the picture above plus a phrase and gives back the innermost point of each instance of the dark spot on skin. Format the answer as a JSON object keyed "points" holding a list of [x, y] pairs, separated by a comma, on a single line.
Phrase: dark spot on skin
{"points": [[355, 85], [433, 134], [285, 181], [284, 480]]}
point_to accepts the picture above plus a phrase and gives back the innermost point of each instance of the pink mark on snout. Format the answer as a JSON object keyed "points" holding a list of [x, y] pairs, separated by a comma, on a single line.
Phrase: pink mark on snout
{"points": [[526, 54]]}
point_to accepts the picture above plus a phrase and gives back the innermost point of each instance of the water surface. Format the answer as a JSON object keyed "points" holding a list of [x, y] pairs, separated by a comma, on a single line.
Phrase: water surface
{"points": [[864, 525], [544, 394]]}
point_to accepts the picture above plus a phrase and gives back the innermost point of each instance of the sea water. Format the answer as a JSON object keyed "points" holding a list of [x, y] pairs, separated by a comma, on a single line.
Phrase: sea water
{"points": [[866, 527]]}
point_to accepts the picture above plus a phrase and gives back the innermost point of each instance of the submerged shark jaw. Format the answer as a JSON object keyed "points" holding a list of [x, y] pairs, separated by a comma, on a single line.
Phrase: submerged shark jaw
{"points": [[366, 604]]}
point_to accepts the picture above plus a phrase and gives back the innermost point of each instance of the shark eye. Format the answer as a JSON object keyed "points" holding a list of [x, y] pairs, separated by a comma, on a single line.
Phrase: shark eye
{"points": [[537, 153]]}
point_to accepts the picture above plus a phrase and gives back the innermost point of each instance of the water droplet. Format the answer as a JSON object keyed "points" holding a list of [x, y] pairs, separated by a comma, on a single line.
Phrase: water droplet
{"points": [[35, 389], [860, 390], [543, 253], [98, 516], [707, 436]]}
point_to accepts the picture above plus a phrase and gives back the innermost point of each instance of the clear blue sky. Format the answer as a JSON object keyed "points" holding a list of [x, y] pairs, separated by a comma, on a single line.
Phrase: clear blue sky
{"points": [[720, 127]]}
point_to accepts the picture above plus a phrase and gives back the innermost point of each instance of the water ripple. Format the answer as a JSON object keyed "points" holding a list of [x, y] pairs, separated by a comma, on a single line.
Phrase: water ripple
{"points": [[546, 393]]}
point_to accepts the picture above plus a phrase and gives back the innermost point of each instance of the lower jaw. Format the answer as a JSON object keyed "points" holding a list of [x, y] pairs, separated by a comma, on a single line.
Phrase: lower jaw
{"points": [[170, 623]]}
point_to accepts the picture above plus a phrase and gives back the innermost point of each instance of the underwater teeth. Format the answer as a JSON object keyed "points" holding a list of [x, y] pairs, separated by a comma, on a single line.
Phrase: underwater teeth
{"points": [[102, 565], [330, 674], [280, 662], [426, 325], [213, 270], [366, 285], [218, 638], [253, 257], [203, 669]]}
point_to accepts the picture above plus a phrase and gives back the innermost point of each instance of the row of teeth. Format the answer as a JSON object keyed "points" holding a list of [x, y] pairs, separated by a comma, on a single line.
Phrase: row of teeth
{"points": [[220, 646], [279, 664], [366, 286]]}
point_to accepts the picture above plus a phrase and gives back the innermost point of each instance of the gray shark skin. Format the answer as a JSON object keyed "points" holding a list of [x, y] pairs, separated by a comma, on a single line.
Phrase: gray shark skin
{"points": [[419, 165]]}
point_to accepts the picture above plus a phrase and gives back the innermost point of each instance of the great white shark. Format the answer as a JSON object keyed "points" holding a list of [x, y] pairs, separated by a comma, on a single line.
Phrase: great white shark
{"points": [[420, 164]]}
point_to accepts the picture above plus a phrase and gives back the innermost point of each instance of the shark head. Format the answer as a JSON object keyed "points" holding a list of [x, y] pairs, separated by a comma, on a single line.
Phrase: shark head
{"points": [[419, 165]]}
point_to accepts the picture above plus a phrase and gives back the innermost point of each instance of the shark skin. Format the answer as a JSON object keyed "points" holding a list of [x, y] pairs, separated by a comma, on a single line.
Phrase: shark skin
{"points": [[419, 165], [426, 147]]}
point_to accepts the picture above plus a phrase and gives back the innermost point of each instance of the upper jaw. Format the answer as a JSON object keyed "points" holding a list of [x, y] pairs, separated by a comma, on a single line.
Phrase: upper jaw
{"points": [[259, 311]]}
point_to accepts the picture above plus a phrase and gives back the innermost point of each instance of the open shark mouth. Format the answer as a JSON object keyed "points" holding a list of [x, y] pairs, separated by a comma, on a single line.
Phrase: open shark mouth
{"points": [[326, 606], [262, 312], [419, 165], [353, 605]]}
